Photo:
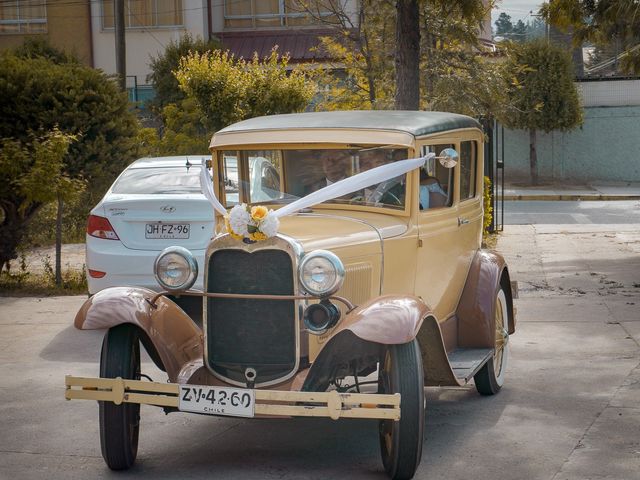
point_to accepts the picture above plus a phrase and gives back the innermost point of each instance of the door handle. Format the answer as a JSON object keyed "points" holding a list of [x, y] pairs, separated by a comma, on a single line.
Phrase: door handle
{"points": [[462, 221]]}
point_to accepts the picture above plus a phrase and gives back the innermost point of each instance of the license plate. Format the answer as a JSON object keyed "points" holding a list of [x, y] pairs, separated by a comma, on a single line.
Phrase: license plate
{"points": [[235, 402], [167, 230]]}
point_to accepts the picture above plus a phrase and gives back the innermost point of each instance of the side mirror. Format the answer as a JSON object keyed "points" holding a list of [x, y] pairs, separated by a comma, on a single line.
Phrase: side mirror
{"points": [[448, 158]]}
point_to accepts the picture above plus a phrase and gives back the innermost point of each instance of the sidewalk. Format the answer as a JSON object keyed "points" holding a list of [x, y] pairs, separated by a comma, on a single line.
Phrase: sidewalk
{"points": [[596, 191]]}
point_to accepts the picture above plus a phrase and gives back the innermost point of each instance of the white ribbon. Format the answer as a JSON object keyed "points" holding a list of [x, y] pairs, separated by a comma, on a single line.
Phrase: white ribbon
{"points": [[335, 190], [206, 184]]}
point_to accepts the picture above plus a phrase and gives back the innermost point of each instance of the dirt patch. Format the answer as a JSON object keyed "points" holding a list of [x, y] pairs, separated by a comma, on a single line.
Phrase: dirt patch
{"points": [[72, 258]]}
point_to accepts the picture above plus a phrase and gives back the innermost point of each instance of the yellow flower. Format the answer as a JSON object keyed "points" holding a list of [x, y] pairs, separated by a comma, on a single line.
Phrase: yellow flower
{"points": [[257, 236], [230, 231], [258, 213]]}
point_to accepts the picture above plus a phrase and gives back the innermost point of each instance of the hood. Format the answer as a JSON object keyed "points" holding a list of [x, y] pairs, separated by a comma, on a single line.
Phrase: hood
{"points": [[332, 229]]}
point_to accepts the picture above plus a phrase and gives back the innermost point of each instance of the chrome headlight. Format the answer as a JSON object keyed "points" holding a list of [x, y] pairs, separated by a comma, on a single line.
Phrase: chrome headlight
{"points": [[321, 273], [175, 269]]}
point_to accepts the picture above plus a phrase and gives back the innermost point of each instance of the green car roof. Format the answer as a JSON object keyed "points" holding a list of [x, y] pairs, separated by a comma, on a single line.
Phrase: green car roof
{"points": [[416, 123]]}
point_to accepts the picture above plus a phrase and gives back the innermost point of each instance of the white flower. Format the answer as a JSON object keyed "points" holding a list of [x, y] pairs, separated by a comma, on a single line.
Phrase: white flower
{"points": [[239, 218], [269, 225]]}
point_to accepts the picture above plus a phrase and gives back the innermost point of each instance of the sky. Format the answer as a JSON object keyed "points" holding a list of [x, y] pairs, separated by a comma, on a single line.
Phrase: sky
{"points": [[518, 9]]}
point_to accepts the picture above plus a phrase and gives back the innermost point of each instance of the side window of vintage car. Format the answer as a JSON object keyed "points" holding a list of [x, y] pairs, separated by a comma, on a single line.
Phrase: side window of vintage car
{"points": [[436, 181], [229, 178], [468, 162]]}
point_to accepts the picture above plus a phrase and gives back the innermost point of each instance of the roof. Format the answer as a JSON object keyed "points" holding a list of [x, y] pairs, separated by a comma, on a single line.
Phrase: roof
{"points": [[177, 161], [416, 123], [300, 44]]}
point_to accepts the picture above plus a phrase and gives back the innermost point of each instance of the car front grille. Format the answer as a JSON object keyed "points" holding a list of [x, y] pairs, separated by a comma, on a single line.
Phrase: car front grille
{"points": [[246, 334]]}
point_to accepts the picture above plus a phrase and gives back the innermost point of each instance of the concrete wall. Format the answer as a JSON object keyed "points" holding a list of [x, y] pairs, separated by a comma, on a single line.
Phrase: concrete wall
{"points": [[605, 148], [143, 43]]}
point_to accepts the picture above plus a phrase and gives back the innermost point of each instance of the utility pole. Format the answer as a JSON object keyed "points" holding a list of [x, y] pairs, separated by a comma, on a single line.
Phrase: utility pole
{"points": [[121, 56]]}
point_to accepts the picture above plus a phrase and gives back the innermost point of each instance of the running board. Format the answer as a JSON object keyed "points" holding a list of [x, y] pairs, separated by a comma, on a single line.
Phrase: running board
{"points": [[466, 362]]}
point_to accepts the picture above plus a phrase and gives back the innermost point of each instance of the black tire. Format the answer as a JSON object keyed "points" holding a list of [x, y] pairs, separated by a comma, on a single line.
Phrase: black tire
{"points": [[401, 442], [490, 377], [120, 424]]}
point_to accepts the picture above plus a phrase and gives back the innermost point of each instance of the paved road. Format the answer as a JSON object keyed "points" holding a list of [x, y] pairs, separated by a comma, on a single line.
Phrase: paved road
{"points": [[569, 409], [571, 212]]}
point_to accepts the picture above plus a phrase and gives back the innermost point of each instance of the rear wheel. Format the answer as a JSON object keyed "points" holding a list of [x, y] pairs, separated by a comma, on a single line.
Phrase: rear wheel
{"points": [[401, 441], [120, 424], [490, 378]]}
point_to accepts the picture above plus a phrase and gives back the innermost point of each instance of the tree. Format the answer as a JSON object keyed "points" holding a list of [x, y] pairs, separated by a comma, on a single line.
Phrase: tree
{"points": [[165, 85], [407, 55], [519, 31], [43, 180], [450, 57], [602, 22], [37, 96], [541, 95], [227, 89], [361, 74], [503, 24]]}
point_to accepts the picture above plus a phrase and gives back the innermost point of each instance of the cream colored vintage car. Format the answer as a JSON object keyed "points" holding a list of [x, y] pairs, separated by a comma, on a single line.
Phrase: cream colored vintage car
{"points": [[371, 284]]}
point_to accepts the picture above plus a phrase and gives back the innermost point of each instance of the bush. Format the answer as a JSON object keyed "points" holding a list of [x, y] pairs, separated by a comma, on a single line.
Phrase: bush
{"points": [[38, 96], [228, 90], [162, 78], [487, 206]]}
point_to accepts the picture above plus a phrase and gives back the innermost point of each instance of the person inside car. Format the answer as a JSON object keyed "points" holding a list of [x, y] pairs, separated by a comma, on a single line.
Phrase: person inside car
{"points": [[431, 193]]}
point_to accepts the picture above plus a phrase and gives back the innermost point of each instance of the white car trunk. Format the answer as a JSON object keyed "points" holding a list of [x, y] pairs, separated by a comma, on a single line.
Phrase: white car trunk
{"points": [[153, 224]]}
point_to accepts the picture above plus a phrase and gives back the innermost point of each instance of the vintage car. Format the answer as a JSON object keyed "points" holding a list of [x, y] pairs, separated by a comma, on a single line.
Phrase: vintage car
{"points": [[358, 280]]}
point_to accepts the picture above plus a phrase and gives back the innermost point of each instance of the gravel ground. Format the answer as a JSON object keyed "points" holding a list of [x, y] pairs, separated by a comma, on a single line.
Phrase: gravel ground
{"points": [[73, 258]]}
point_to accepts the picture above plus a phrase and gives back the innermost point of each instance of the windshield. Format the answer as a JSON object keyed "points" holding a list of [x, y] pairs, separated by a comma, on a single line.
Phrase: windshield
{"points": [[159, 180], [281, 176]]}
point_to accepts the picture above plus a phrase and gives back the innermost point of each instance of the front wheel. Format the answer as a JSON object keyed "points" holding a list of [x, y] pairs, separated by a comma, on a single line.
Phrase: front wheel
{"points": [[401, 442], [490, 378], [120, 424]]}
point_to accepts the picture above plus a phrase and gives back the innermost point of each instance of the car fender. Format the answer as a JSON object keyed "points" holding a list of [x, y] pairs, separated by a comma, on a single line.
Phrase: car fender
{"points": [[356, 344], [171, 338], [389, 319], [476, 309]]}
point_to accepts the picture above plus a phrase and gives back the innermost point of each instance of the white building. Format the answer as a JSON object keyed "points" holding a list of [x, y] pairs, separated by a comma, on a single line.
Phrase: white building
{"points": [[150, 26]]}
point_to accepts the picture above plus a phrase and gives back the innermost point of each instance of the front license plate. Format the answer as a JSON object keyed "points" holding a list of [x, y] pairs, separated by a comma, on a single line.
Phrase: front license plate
{"points": [[235, 402], [167, 230]]}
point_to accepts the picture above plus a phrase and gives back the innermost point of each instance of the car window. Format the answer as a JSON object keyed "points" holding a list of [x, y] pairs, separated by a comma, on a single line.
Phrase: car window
{"points": [[285, 175], [264, 175], [230, 179], [436, 181], [159, 180], [468, 158]]}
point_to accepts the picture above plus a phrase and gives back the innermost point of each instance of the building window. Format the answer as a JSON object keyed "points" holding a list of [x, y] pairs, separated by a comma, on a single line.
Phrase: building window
{"points": [[273, 13], [144, 13], [23, 16]]}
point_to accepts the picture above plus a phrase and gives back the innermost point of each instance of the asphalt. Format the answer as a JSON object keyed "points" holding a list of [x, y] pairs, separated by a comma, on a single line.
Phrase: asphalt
{"points": [[557, 191], [569, 410]]}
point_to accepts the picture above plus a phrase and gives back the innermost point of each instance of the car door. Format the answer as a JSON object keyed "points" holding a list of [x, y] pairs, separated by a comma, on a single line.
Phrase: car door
{"points": [[443, 259]]}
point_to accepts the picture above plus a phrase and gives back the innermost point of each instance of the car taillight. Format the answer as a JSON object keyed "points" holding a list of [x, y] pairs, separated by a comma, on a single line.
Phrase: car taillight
{"points": [[96, 273], [100, 227]]}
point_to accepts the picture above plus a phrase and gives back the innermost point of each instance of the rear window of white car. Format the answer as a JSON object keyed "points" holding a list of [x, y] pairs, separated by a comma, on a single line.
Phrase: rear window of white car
{"points": [[159, 180]]}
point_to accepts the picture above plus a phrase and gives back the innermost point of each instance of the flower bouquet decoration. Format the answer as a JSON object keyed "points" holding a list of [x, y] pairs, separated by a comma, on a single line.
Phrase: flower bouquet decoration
{"points": [[251, 224]]}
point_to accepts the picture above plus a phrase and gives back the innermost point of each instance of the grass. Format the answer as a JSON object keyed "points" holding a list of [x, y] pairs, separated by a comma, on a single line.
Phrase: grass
{"points": [[25, 283]]}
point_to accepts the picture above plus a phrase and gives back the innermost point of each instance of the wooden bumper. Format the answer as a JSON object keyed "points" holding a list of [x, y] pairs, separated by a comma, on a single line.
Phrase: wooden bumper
{"points": [[268, 402]]}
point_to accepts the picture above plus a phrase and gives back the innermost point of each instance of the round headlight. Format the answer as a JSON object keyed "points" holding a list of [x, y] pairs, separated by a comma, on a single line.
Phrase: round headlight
{"points": [[175, 269], [321, 273]]}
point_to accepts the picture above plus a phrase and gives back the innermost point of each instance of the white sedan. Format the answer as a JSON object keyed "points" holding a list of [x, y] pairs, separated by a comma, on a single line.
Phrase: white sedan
{"points": [[154, 203]]}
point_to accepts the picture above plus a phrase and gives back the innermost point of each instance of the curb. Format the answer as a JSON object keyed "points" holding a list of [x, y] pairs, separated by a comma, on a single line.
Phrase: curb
{"points": [[588, 197]]}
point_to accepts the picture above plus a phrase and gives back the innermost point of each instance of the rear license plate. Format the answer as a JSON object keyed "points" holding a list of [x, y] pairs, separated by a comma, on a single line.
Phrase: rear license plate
{"points": [[235, 402], [167, 230]]}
